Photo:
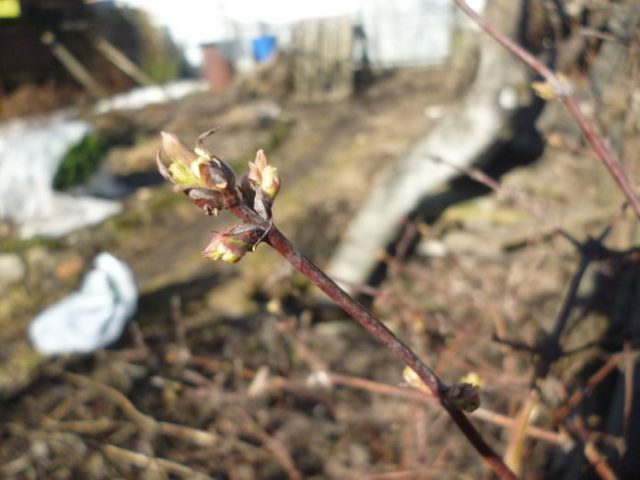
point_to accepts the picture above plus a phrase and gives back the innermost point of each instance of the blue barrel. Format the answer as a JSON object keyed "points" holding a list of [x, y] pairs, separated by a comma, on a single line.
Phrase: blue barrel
{"points": [[264, 48]]}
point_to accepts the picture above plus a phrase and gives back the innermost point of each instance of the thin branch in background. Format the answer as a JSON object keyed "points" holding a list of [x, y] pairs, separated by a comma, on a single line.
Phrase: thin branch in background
{"points": [[556, 140], [610, 365], [117, 398], [275, 446], [521, 201], [144, 421], [608, 37], [420, 397], [428, 472], [591, 452], [150, 464], [491, 183], [562, 90], [516, 449], [516, 345]]}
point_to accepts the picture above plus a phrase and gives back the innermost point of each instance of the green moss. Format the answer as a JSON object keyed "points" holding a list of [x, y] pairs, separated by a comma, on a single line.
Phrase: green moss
{"points": [[18, 245], [80, 162]]}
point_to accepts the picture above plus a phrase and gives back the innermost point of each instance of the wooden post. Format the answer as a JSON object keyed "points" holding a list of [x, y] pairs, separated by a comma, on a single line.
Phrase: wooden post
{"points": [[122, 62], [323, 70], [73, 65]]}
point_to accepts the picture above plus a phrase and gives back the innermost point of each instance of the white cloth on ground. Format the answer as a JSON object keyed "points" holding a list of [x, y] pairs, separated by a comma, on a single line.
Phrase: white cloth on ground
{"points": [[92, 317]]}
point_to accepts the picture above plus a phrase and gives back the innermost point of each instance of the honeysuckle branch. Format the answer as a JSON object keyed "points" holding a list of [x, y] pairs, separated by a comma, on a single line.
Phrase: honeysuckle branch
{"points": [[560, 88], [448, 396], [210, 184]]}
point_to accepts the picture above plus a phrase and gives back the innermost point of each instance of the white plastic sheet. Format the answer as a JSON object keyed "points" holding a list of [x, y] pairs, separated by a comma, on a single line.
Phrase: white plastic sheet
{"points": [[30, 153], [31, 150], [91, 318], [143, 96]]}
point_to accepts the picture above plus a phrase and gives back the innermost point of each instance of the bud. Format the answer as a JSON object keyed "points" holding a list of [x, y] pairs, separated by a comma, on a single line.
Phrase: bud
{"points": [[554, 88], [264, 175], [464, 395], [184, 166], [472, 378], [232, 244], [176, 150], [207, 180], [191, 169]]}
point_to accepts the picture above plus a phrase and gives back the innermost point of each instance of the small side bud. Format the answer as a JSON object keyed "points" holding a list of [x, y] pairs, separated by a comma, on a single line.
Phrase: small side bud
{"points": [[552, 90], [464, 395], [217, 174], [472, 378], [232, 244], [270, 181], [264, 175]]}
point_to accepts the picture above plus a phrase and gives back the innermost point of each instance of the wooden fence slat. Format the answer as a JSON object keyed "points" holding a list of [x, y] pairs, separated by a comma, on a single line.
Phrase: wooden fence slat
{"points": [[323, 70]]}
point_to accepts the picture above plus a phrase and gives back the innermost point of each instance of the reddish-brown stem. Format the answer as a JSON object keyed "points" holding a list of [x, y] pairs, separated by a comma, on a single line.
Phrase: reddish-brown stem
{"points": [[609, 366], [601, 149], [603, 152], [376, 328]]}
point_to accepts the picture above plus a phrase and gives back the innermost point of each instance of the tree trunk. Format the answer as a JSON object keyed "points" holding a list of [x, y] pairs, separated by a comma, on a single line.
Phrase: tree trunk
{"points": [[468, 130]]}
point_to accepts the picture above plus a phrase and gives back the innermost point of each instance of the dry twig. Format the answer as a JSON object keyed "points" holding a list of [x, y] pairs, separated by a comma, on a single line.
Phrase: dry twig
{"points": [[140, 460], [275, 446], [146, 422]]}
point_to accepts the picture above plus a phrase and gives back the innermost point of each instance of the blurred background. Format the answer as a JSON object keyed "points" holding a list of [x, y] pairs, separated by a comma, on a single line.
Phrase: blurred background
{"points": [[125, 354]]}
